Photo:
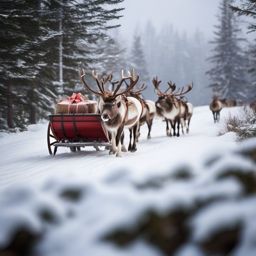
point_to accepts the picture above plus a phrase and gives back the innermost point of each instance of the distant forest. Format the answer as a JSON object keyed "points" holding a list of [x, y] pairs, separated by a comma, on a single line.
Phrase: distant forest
{"points": [[44, 44]]}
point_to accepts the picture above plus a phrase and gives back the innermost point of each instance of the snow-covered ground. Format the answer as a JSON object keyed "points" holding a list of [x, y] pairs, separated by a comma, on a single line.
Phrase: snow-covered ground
{"points": [[24, 156], [180, 190]]}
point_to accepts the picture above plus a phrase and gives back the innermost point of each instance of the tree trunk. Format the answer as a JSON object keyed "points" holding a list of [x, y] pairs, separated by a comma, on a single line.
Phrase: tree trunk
{"points": [[32, 109], [9, 107], [32, 116], [61, 89]]}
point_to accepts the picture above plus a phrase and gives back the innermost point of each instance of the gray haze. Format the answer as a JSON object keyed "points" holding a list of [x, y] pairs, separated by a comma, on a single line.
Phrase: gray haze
{"points": [[184, 15], [175, 37]]}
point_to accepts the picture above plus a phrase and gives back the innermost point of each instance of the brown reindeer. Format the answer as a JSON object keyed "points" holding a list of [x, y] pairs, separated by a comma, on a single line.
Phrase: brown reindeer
{"points": [[117, 111], [216, 106], [169, 106], [148, 109], [189, 113], [227, 103]]}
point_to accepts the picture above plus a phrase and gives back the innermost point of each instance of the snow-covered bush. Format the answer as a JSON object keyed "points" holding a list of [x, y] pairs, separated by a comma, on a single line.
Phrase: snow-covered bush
{"points": [[184, 211], [243, 125]]}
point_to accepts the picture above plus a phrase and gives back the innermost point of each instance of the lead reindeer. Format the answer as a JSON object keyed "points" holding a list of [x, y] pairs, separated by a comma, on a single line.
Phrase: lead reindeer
{"points": [[174, 110], [117, 111]]}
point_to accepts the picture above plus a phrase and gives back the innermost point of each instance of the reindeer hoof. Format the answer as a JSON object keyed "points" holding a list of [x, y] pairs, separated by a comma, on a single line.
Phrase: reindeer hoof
{"points": [[111, 152], [118, 154], [133, 150], [124, 149]]}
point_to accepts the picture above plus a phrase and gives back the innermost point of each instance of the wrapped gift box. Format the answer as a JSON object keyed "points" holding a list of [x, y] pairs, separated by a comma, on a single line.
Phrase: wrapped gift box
{"points": [[76, 104]]}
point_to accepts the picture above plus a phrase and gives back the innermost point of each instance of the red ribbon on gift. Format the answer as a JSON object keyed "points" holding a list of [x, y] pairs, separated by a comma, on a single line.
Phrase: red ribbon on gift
{"points": [[76, 98]]}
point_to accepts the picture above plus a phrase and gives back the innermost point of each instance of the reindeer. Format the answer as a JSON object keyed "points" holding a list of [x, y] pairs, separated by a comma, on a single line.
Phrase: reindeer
{"points": [[168, 105], [148, 109], [117, 111], [189, 113], [228, 103], [216, 107]]}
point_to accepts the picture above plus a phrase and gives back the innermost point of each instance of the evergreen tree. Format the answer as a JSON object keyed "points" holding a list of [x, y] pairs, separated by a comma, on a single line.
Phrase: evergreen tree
{"points": [[34, 36], [138, 59], [113, 60], [149, 38], [200, 93], [78, 26], [19, 56], [177, 57], [228, 74], [248, 8]]}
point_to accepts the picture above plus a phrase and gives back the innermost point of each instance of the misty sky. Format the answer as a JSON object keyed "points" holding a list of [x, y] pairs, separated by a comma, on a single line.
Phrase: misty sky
{"points": [[184, 15]]}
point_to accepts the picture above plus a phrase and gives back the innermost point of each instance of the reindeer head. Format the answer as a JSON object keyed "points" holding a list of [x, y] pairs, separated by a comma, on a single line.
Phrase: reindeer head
{"points": [[168, 99], [111, 103]]}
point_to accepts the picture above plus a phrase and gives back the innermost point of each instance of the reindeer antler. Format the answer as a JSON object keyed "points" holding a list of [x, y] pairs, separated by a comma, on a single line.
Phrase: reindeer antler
{"points": [[156, 84], [183, 90], [132, 77], [172, 87], [98, 81], [102, 81], [141, 88], [82, 76]]}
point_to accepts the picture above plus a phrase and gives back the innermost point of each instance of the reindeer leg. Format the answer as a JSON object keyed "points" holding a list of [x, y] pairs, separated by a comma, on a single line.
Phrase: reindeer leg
{"points": [[182, 121], [122, 143], [113, 149], [138, 134], [178, 127], [188, 124], [110, 139], [130, 142], [173, 124], [149, 123], [118, 141], [167, 127], [135, 130]]}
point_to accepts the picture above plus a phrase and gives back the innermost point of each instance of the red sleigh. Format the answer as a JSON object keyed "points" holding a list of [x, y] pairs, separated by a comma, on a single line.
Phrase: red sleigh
{"points": [[76, 131]]}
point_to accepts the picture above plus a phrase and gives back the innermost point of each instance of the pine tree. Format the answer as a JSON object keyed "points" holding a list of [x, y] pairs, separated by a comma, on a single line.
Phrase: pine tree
{"points": [[228, 74], [19, 31], [138, 59], [248, 8], [113, 60], [83, 23], [30, 36]]}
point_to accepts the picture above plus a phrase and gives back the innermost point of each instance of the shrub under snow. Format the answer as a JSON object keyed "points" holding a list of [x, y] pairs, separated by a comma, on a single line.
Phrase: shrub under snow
{"points": [[182, 212]]}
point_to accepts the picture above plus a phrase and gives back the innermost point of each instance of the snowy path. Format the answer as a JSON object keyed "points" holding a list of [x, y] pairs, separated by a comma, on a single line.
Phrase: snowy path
{"points": [[24, 156]]}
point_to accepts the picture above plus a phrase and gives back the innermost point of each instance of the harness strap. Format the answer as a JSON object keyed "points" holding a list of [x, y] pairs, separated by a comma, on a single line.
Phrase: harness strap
{"points": [[126, 111]]}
